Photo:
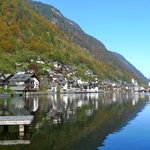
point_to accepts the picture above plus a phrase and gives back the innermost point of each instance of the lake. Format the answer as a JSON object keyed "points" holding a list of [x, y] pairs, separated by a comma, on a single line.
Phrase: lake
{"points": [[92, 121]]}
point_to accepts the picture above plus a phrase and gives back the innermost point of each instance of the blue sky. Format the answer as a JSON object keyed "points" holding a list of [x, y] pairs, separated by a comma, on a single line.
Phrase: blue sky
{"points": [[123, 26]]}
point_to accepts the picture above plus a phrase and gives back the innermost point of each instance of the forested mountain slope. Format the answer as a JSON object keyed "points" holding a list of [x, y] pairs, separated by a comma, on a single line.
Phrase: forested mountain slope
{"points": [[78, 36], [26, 35]]}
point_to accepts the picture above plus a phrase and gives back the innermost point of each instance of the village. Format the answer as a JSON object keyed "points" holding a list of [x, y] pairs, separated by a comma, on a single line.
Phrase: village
{"points": [[61, 79]]}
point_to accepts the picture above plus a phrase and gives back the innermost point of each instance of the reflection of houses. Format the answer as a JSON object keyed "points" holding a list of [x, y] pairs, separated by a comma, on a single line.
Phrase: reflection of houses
{"points": [[34, 104], [17, 107], [65, 100], [135, 99], [88, 112], [55, 111], [65, 109], [4, 111]]}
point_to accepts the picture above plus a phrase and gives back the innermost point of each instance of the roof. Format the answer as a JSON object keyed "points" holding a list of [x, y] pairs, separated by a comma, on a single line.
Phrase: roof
{"points": [[95, 84], [17, 88], [63, 82], [21, 77], [7, 75], [53, 84], [86, 84]]}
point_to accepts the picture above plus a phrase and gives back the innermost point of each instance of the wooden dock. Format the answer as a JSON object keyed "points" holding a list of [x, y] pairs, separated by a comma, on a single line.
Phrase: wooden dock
{"points": [[16, 120]]}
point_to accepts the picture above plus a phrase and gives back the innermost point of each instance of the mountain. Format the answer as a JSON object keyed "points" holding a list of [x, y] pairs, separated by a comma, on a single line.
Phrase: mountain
{"points": [[31, 30], [78, 36], [73, 31], [130, 66]]}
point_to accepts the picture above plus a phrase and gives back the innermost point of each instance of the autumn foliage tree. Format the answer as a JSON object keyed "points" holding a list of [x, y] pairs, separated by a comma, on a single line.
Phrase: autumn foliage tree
{"points": [[35, 69]]}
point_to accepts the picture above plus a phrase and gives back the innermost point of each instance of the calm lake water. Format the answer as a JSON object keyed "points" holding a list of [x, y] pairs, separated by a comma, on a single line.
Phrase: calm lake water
{"points": [[94, 121]]}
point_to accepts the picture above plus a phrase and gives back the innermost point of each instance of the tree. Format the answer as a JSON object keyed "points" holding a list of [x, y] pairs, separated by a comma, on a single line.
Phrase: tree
{"points": [[7, 46], [35, 68]]}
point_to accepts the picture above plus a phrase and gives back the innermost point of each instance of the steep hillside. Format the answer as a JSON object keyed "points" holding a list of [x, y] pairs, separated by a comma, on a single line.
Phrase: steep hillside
{"points": [[73, 31], [78, 36], [130, 66], [26, 35]]}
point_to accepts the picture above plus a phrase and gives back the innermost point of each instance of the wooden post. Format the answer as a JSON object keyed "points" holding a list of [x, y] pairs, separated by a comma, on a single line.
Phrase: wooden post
{"points": [[21, 128], [21, 131]]}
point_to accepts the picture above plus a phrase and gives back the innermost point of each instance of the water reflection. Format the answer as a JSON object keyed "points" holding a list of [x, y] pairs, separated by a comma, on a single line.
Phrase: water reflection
{"points": [[62, 108], [74, 121], [13, 138], [18, 106]]}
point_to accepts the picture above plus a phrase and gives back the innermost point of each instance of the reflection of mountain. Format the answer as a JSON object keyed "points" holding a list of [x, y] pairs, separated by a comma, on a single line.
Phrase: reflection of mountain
{"points": [[68, 104], [87, 126], [4, 110], [107, 119], [65, 108]]}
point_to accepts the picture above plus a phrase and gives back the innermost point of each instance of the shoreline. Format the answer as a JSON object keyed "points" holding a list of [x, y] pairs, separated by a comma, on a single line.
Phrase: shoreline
{"points": [[45, 93], [48, 93]]}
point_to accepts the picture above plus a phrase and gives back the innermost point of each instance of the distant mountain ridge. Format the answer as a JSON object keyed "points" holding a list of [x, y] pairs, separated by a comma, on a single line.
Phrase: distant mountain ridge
{"points": [[130, 66]]}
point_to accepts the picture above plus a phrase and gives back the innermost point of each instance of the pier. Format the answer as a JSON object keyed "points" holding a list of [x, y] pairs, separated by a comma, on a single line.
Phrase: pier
{"points": [[16, 120], [21, 137]]}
